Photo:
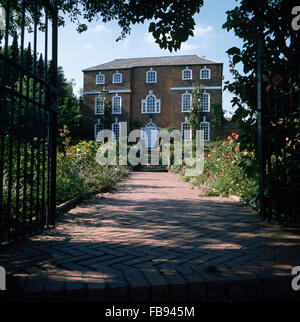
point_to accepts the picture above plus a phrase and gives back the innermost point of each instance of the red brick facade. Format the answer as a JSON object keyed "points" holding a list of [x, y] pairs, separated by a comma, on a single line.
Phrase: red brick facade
{"points": [[169, 87]]}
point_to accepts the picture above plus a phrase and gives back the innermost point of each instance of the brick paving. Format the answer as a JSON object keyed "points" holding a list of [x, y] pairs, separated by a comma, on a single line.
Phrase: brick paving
{"points": [[154, 239]]}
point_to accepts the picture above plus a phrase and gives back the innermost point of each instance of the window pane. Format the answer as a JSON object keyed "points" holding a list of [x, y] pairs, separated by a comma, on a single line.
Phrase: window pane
{"points": [[99, 106], [151, 77], [98, 136], [117, 78], [186, 132], [205, 102], [157, 107], [186, 102], [100, 79], [116, 108], [151, 104], [116, 131], [143, 106], [204, 126], [187, 74], [204, 73]]}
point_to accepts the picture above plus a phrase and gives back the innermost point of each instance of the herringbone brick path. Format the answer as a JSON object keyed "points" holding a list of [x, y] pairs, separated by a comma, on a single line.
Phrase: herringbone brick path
{"points": [[154, 239]]}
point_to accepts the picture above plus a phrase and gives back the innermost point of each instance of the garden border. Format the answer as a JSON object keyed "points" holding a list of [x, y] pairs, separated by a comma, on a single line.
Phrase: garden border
{"points": [[68, 205]]}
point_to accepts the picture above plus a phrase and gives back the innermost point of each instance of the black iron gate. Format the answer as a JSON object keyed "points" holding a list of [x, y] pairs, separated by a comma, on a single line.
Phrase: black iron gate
{"points": [[28, 72], [279, 135]]}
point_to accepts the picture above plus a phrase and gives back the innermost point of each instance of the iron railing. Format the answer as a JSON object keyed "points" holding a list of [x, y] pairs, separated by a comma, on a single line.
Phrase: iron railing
{"points": [[28, 117], [281, 157]]}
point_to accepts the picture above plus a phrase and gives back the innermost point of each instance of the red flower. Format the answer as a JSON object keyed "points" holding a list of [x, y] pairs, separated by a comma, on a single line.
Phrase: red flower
{"points": [[237, 149], [207, 174], [277, 79], [233, 134], [268, 89], [264, 77]]}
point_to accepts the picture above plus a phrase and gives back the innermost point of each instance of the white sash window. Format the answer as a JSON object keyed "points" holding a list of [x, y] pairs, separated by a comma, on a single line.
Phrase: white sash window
{"points": [[186, 132], [98, 135], [117, 78], [116, 130], [99, 108], [100, 79], [116, 104], [205, 100], [151, 76], [186, 102], [187, 74], [204, 126], [205, 73]]}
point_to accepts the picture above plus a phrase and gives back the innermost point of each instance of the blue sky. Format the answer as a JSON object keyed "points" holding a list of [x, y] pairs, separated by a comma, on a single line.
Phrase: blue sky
{"points": [[98, 45]]}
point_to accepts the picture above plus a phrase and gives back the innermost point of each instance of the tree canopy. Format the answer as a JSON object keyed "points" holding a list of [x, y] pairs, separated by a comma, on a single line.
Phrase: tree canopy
{"points": [[271, 21], [170, 21]]}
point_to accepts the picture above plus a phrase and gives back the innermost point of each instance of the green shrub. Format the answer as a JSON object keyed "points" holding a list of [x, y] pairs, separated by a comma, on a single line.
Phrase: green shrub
{"points": [[225, 171], [78, 172]]}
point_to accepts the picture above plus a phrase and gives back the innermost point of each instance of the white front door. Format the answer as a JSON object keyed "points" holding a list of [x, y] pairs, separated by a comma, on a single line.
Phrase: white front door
{"points": [[150, 135]]}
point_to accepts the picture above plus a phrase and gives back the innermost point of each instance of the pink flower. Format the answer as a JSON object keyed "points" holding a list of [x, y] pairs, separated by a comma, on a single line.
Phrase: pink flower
{"points": [[264, 77], [277, 79], [237, 136], [231, 142], [229, 138], [224, 143], [268, 89], [237, 149]]}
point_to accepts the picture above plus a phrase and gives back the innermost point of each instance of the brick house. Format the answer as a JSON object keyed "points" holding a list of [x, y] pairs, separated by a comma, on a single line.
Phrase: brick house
{"points": [[151, 93]]}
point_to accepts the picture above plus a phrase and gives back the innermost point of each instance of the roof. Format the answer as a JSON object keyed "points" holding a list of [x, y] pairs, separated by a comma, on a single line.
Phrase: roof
{"points": [[153, 61]]}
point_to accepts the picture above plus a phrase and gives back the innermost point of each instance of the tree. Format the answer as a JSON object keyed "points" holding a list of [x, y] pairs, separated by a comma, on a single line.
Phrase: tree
{"points": [[270, 20], [171, 20], [67, 104], [195, 109], [265, 28]]}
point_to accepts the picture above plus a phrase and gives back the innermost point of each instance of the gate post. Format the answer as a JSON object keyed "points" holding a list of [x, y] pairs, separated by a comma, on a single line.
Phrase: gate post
{"points": [[53, 127], [260, 126]]}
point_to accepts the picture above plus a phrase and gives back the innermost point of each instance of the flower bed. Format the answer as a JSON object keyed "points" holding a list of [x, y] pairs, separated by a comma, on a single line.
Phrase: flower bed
{"points": [[225, 171], [78, 173]]}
